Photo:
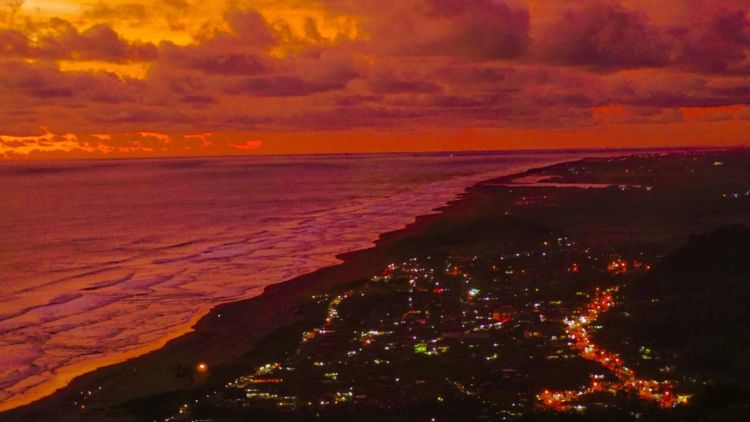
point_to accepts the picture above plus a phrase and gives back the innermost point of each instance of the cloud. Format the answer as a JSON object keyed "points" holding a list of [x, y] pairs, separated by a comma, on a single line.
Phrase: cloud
{"points": [[717, 41], [481, 29], [385, 82], [48, 142], [248, 145], [57, 39], [283, 86], [128, 11], [241, 50], [44, 143], [177, 4], [697, 35], [474, 30], [289, 67], [212, 57], [161, 137], [100, 42], [250, 28], [198, 100], [602, 34], [27, 86]]}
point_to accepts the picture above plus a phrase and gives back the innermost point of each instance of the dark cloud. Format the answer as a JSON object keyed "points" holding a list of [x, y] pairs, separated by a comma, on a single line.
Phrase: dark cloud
{"points": [[283, 86], [13, 43], [128, 11], [59, 39], [100, 42], [198, 100], [311, 30], [249, 28], [467, 29], [711, 37], [717, 42], [50, 92], [177, 4], [356, 100], [479, 29], [241, 51], [603, 35], [389, 83], [213, 61], [667, 99]]}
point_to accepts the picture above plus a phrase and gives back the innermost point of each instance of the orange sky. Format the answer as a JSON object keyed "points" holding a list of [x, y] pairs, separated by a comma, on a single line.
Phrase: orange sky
{"points": [[89, 78]]}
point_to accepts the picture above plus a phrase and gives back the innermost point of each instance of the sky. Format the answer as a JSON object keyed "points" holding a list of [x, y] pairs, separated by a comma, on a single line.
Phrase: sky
{"points": [[91, 79]]}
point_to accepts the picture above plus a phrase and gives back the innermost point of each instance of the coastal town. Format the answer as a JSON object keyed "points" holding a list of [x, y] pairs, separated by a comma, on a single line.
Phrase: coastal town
{"points": [[493, 338], [552, 295]]}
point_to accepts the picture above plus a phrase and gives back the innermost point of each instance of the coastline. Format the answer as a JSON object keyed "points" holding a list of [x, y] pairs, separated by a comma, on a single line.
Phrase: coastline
{"points": [[225, 333]]}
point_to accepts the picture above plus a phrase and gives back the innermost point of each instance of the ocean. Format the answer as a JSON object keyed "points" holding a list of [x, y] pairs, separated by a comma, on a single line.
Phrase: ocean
{"points": [[101, 261]]}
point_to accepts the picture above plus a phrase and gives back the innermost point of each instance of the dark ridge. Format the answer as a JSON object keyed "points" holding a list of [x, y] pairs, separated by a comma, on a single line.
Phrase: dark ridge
{"points": [[694, 305], [718, 260]]}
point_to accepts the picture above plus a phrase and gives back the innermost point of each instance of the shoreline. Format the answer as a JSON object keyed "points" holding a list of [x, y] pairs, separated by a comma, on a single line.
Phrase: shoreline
{"points": [[255, 317]]}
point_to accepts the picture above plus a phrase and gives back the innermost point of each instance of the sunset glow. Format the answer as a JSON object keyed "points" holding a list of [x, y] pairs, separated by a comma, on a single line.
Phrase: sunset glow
{"points": [[86, 79], [364, 209]]}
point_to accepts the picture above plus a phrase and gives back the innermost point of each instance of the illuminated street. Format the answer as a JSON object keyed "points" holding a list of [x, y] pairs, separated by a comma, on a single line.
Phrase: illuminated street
{"points": [[577, 327]]}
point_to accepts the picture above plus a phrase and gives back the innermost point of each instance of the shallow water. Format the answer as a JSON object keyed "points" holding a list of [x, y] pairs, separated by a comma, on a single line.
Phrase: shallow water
{"points": [[104, 260]]}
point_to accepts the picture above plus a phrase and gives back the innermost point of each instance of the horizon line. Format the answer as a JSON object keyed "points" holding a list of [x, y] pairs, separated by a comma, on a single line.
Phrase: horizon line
{"points": [[364, 153]]}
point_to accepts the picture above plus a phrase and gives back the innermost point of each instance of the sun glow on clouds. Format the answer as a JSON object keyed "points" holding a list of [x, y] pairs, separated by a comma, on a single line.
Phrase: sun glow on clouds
{"points": [[52, 7], [346, 75], [161, 137], [184, 21], [248, 145], [127, 70], [141, 144], [48, 142]]}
